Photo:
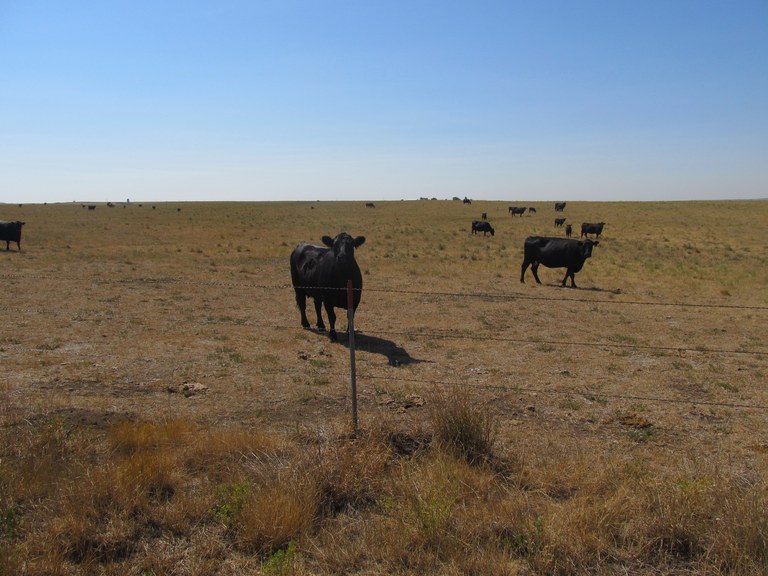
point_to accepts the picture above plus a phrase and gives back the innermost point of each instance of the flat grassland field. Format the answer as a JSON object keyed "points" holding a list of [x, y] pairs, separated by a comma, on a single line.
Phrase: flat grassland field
{"points": [[108, 310], [185, 312]]}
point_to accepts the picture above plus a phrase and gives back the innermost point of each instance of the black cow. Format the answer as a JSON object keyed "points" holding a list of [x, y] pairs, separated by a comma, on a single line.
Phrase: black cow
{"points": [[467, 200], [568, 230], [596, 229], [370, 205], [555, 253], [559, 222], [515, 210], [531, 210], [11, 232], [484, 216], [322, 273], [559, 206], [481, 226]]}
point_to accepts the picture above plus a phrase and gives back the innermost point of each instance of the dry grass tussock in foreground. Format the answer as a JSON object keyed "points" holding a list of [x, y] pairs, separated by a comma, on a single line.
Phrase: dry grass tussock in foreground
{"points": [[173, 498], [162, 412]]}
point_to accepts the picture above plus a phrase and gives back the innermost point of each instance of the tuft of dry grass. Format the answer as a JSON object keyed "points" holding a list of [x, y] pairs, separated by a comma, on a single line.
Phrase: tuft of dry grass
{"points": [[462, 427]]}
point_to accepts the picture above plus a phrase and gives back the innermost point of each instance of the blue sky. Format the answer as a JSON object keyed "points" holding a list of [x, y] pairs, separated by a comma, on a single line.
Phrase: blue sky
{"points": [[305, 100]]}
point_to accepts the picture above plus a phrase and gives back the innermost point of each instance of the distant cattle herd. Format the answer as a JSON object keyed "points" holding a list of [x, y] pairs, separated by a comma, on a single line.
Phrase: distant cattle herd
{"points": [[323, 273], [551, 252]]}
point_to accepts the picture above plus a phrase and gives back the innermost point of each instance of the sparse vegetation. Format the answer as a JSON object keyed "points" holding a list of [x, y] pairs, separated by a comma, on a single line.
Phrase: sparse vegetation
{"points": [[160, 414]]}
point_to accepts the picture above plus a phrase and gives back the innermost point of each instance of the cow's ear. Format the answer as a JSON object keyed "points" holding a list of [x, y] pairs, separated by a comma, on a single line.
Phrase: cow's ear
{"points": [[328, 241], [359, 241]]}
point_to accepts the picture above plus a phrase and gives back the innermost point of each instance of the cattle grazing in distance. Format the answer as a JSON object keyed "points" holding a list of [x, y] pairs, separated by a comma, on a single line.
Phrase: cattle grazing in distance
{"points": [[515, 210], [559, 222], [467, 200], [11, 232], [568, 230], [555, 253], [322, 272], [596, 229], [531, 210], [484, 216], [484, 227], [559, 206], [370, 205], [91, 207]]}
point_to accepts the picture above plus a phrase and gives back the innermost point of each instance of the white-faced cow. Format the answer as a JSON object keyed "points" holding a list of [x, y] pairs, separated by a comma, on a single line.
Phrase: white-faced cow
{"points": [[321, 272], [596, 229], [11, 232], [555, 253], [482, 226]]}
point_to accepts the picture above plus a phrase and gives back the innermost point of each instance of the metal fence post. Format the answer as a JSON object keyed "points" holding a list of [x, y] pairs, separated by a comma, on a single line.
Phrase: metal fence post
{"points": [[351, 330]]}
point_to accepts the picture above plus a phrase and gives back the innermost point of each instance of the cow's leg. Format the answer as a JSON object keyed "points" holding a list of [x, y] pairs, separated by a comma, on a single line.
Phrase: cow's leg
{"points": [[301, 302], [535, 270], [319, 313], [526, 263], [331, 321], [570, 273]]}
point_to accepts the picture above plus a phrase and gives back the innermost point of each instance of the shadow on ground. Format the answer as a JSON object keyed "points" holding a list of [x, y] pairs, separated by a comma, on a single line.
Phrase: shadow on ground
{"points": [[396, 355]]}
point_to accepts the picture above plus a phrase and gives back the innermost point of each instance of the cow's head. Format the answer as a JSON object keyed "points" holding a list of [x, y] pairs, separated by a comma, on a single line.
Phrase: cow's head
{"points": [[343, 246], [586, 247]]}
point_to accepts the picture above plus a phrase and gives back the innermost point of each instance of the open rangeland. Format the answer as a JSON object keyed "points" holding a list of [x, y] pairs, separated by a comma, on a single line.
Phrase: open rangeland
{"points": [[163, 412]]}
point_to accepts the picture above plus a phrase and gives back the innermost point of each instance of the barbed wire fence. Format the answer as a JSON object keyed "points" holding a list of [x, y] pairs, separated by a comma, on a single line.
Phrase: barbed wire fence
{"points": [[437, 334]]}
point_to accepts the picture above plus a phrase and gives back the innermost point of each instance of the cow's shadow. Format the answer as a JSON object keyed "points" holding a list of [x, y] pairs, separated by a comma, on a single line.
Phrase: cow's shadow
{"points": [[584, 289], [396, 355]]}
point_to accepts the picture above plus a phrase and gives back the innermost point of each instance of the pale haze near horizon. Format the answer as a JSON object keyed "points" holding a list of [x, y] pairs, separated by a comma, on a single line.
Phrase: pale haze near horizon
{"points": [[314, 100]]}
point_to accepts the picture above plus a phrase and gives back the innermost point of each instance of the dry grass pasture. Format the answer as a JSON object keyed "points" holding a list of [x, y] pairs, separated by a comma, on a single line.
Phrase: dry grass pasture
{"points": [[162, 411]]}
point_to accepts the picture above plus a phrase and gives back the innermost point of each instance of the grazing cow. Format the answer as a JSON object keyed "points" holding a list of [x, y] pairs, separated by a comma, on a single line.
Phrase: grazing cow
{"points": [[515, 210], [531, 210], [568, 230], [91, 207], [555, 253], [596, 229], [321, 272], [467, 200], [559, 206], [484, 227], [11, 232], [370, 205], [559, 222]]}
